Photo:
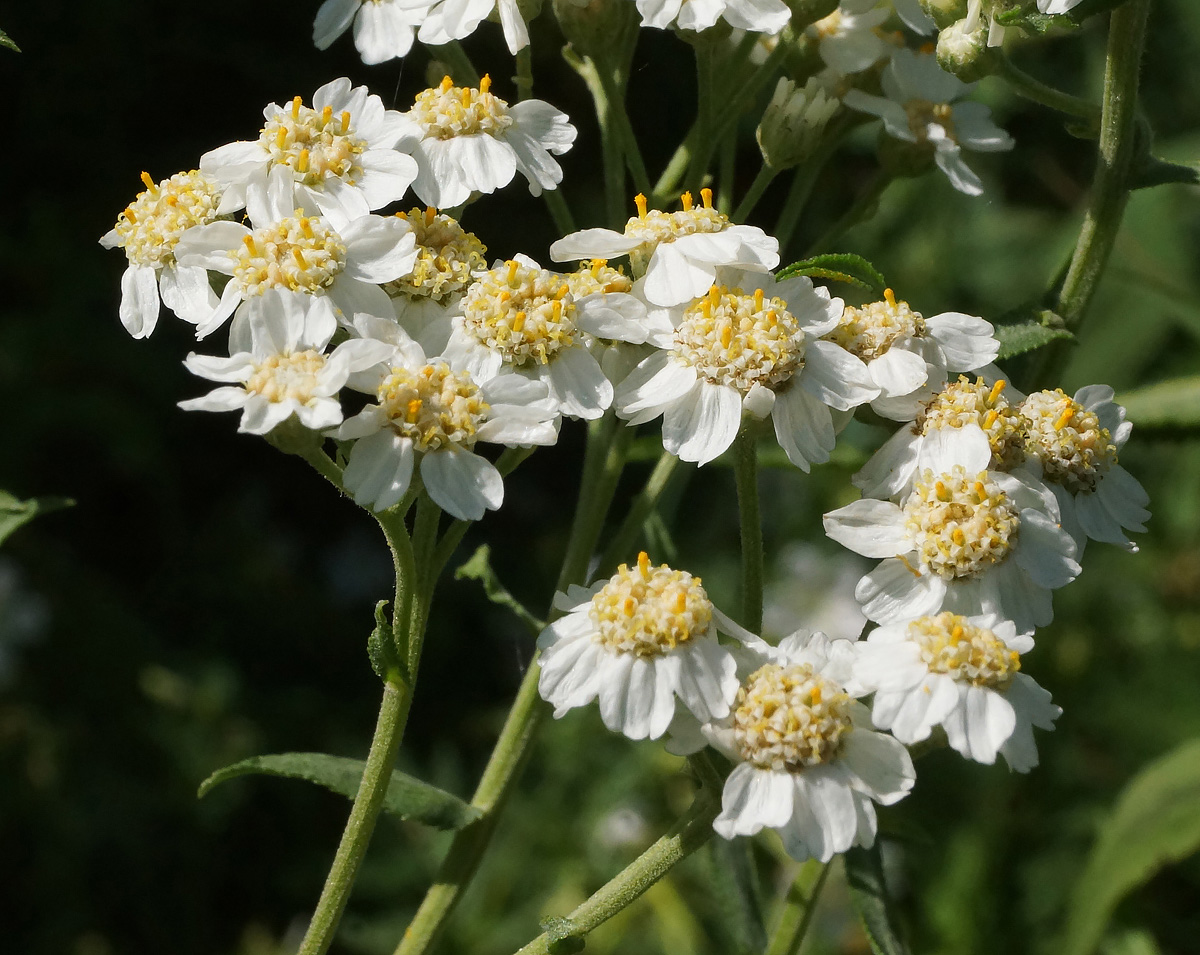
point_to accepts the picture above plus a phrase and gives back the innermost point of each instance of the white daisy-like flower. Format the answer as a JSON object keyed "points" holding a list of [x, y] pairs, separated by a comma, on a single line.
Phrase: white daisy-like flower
{"points": [[469, 140], [809, 762], [850, 40], [287, 249], [1073, 444], [432, 412], [906, 353], [921, 108], [964, 538], [449, 20], [752, 346], [757, 16], [523, 318], [961, 673], [677, 254], [281, 365], [983, 403], [148, 230], [383, 29], [340, 157], [638, 641], [617, 357]]}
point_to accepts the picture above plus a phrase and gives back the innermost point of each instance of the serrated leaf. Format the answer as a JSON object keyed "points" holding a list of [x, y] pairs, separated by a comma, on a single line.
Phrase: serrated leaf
{"points": [[407, 797], [6, 40], [479, 567], [868, 892], [1020, 337], [1168, 404], [15, 513], [1156, 821], [838, 267]]}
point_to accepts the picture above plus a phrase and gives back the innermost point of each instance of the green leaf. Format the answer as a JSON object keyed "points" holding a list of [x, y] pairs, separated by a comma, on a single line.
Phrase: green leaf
{"points": [[479, 568], [407, 797], [1156, 821], [1016, 338], [868, 892], [6, 40], [381, 647], [842, 267], [14, 513], [1168, 404], [1152, 171], [735, 896]]}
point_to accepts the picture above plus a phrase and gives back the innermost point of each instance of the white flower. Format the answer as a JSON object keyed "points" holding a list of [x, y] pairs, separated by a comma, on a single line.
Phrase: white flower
{"points": [[455, 19], [282, 367], [905, 351], [433, 411], [339, 155], [521, 317], [920, 108], [961, 673], [1073, 444], [758, 16], [965, 538], [849, 39], [916, 19], [1057, 6], [809, 762], [148, 231], [287, 249], [983, 403], [638, 641], [749, 346], [469, 140], [677, 253], [383, 29]]}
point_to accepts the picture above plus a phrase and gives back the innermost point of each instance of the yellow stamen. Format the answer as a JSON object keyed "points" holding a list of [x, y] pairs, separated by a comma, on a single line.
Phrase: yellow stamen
{"points": [[957, 633], [447, 83], [326, 114], [249, 240], [281, 137], [485, 83], [513, 265], [644, 562], [307, 229], [518, 322], [1064, 419], [942, 493], [345, 120], [629, 606], [890, 297], [706, 196], [990, 419], [302, 161], [958, 536], [296, 104], [129, 214], [758, 299], [981, 491], [680, 601], [714, 296], [299, 257], [686, 199], [149, 183], [466, 97], [563, 290], [996, 389], [414, 408], [430, 212], [640, 201]]}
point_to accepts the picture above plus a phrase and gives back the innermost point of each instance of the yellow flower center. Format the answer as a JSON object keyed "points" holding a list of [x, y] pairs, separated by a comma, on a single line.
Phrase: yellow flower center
{"points": [[300, 254], [448, 110], [650, 227], [740, 340], [433, 406], [313, 143], [595, 275], [649, 611], [283, 377], [526, 314], [786, 718], [447, 254], [152, 224], [970, 654], [964, 402], [960, 525], [1075, 451], [870, 331], [827, 26], [922, 114]]}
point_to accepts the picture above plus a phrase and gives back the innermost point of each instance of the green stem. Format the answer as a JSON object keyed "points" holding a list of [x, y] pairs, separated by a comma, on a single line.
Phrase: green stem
{"points": [[692, 830], [798, 909], [462, 71], [610, 144], [765, 177], [1038, 92], [705, 80], [745, 452], [726, 174], [556, 203], [622, 542], [524, 59], [859, 209]]}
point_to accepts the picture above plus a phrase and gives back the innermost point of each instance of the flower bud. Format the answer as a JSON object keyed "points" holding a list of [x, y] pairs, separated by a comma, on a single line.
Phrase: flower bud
{"points": [[595, 26], [945, 12], [962, 49], [793, 122]]}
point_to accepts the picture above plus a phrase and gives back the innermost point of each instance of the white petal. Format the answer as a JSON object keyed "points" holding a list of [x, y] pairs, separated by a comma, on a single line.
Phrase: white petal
{"points": [[967, 342], [898, 372], [891, 467], [462, 483], [836, 377], [578, 383], [870, 527], [754, 798], [139, 300], [702, 429], [379, 470], [1045, 551], [333, 17], [892, 592], [672, 279]]}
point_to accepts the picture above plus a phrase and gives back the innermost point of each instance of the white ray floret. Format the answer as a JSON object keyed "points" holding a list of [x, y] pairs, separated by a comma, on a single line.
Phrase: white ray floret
{"points": [[339, 154], [148, 231], [279, 362], [850, 39], [456, 19], [964, 538], [757, 16], [922, 106], [961, 673], [467, 140], [430, 413], [750, 347], [809, 762], [677, 254], [638, 642], [383, 29]]}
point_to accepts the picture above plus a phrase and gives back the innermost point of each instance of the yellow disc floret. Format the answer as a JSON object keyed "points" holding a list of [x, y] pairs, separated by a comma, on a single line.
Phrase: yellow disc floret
{"points": [[447, 255], [300, 254], [965, 402], [870, 331], [740, 340], [786, 718], [649, 611], [950, 644], [151, 225], [1068, 440], [526, 314], [650, 227], [287, 377], [314, 144], [596, 275], [433, 406], [960, 524], [447, 110]]}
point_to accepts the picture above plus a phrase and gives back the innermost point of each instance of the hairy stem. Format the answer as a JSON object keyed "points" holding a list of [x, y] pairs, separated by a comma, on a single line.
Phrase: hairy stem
{"points": [[745, 451], [1036, 91], [766, 175], [622, 542]]}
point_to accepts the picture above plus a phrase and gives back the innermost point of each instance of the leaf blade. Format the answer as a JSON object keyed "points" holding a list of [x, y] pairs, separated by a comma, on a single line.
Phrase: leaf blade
{"points": [[845, 267], [15, 514], [1174, 403], [869, 894]]}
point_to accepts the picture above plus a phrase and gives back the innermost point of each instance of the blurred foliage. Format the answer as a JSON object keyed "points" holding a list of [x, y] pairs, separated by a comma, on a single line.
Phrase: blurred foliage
{"points": [[208, 599]]}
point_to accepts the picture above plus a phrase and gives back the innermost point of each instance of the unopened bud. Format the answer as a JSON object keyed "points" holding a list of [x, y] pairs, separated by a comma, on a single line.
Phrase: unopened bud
{"points": [[945, 12], [793, 122], [962, 49], [595, 26]]}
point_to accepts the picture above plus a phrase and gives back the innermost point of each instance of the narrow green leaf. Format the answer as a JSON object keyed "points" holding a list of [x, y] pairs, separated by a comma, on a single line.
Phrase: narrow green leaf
{"points": [[735, 896], [1156, 821], [1152, 171], [6, 40], [868, 892], [15, 514], [838, 267], [479, 567], [407, 797], [381, 646], [1020, 337], [1168, 404]]}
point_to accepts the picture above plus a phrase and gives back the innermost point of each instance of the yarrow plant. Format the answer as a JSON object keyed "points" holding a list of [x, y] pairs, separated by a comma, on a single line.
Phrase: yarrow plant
{"points": [[370, 335]]}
